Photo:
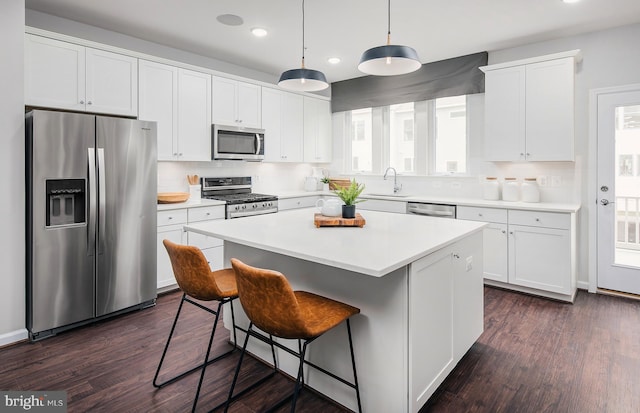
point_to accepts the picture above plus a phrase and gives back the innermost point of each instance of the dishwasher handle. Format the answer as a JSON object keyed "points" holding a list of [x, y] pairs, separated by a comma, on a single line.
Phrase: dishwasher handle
{"points": [[441, 211]]}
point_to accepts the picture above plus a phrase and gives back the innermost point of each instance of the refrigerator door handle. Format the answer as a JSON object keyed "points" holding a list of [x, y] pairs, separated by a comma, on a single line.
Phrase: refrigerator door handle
{"points": [[102, 200], [93, 193]]}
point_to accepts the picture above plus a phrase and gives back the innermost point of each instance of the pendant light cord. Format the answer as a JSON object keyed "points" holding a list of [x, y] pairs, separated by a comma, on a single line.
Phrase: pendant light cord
{"points": [[388, 22], [303, 34]]}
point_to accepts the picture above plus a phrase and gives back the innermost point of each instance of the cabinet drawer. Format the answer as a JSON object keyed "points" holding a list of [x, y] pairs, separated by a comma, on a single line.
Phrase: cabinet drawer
{"points": [[174, 216], [383, 205], [206, 213], [482, 214], [203, 241], [294, 203], [540, 219]]}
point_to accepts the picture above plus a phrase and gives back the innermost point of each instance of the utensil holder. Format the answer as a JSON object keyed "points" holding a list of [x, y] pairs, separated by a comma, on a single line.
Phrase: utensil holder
{"points": [[195, 192]]}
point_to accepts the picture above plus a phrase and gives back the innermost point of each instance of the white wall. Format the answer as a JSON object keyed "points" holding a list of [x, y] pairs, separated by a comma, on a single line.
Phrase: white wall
{"points": [[12, 206]]}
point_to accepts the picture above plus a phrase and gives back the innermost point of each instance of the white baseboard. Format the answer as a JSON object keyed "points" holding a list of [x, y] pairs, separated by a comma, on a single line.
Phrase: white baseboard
{"points": [[13, 337], [583, 285]]}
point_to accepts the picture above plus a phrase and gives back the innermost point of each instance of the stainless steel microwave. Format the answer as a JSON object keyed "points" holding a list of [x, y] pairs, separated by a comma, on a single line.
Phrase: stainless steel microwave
{"points": [[232, 142]]}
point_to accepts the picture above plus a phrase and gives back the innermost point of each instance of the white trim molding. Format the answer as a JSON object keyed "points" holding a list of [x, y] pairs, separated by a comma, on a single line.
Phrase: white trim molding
{"points": [[13, 337]]}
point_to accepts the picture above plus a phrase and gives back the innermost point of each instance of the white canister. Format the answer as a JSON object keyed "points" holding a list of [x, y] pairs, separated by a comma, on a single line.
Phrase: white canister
{"points": [[510, 190], [491, 189], [530, 190]]}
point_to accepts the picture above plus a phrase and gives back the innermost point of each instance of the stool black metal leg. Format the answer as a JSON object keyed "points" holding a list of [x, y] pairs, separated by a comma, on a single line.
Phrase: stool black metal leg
{"points": [[353, 363], [166, 347], [206, 357], [235, 376], [299, 378], [233, 322]]}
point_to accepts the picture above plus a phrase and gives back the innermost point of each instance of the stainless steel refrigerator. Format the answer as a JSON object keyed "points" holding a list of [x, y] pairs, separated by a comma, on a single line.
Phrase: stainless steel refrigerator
{"points": [[91, 188]]}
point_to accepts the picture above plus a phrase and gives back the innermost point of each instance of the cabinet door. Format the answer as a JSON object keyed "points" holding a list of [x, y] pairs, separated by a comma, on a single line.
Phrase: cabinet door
{"points": [[291, 144], [540, 258], [158, 90], [215, 258], [112, 83], [431, 347], [296, 203], [505, 114], [173, 233], [194, 116], [224, 101], [496, 263], [317, 130], [272, 114], [54, 73], [549, 110], [249, 103]]}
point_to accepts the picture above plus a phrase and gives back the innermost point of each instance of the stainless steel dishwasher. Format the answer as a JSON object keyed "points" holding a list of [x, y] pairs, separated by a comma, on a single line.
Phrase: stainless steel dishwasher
{"points": [[431, 210]]}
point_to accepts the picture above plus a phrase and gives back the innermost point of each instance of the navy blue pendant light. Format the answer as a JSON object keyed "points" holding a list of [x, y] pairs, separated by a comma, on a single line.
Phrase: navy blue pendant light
{"points": [[303, 79], [390, 59]]}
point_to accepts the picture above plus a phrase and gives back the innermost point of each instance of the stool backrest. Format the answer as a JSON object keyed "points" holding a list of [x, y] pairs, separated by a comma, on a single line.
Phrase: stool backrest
{"points": [[192, 271], [268, 300]]}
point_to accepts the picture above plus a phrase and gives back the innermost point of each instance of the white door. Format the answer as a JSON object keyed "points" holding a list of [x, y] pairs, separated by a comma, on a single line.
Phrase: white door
{"points": [[618, 189]]}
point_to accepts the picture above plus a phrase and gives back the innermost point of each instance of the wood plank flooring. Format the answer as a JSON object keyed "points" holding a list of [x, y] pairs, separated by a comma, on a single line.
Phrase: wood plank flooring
{"points": [[535, 355]]}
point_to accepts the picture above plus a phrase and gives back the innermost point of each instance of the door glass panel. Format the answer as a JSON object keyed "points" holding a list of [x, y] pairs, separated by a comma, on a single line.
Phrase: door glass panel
{"points": [[627, 185]]}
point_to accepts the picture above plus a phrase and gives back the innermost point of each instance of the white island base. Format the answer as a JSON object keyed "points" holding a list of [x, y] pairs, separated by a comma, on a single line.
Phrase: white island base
{"points": [[416, 321]]}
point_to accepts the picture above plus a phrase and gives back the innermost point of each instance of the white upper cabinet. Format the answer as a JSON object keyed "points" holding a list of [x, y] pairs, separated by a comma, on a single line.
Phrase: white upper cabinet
{"points": [[282, 120], [529, 109], [317, 130], [179, 100], [194, 115], [64, 75], [236, 103]]}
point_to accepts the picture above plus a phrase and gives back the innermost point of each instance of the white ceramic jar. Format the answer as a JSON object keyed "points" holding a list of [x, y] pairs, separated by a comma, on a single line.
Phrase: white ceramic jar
{"points": [[510, 190], [530, 190], [491, 188]]}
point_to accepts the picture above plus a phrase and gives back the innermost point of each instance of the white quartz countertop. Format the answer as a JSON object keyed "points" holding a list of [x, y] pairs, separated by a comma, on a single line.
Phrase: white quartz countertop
{"points": [[475, 202], [190, 203], [386, 242]]}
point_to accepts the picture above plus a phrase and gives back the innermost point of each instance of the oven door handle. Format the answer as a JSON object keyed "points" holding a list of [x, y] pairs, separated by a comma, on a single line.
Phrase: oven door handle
{"points": [[258, 144]]}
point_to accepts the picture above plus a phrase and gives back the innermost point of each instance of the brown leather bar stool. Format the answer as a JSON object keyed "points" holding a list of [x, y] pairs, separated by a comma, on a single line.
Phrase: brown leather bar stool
{"points": [[273, 307], [197, 281]]}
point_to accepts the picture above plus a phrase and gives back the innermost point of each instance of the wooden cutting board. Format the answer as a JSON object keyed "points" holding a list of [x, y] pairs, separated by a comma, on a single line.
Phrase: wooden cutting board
{"points": [[321, 221]]}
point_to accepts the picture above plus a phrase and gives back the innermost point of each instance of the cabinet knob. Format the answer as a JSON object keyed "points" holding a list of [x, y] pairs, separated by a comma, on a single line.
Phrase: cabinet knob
{"points": [[89, 102], [82, 102], [511, 232], [180, 154], [208, 213], [504, 232], [479, 215], [528, 154], [170, 218], [521, 153], [456, 256], [537, 219]]}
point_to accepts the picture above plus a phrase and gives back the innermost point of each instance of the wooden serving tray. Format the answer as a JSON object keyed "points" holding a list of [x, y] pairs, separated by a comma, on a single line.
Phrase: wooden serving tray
{"points": [[321, 221], [172, 197]]}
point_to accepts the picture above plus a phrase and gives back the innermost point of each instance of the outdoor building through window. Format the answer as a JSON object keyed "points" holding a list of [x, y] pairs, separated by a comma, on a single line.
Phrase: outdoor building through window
{"points": [[415, 138]]}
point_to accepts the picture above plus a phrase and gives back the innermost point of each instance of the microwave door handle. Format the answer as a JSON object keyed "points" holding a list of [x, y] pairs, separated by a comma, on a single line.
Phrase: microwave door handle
{"points": [[91, 226], [258, 145]]}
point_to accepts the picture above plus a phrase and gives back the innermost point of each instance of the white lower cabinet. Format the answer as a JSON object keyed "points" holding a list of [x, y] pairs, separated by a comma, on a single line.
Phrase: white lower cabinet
{"points": [[399, 207], [297, 202], [438, 340], [170, 226], [528, 251]]}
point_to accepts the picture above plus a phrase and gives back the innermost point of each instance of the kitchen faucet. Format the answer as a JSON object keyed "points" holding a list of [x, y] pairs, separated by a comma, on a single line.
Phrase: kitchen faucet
{"points": [[396, 187]]}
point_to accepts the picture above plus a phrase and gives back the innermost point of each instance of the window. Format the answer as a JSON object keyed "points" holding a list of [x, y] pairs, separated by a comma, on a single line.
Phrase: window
{"points": [[415, 138], [625, 165]]}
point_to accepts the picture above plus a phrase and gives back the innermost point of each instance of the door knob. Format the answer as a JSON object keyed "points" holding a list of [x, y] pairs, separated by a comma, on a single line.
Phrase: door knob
{"points": [[604, 202]]}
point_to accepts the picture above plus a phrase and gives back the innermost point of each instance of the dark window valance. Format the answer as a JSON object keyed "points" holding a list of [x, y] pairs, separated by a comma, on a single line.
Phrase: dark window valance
{"points": [[451, 77]]}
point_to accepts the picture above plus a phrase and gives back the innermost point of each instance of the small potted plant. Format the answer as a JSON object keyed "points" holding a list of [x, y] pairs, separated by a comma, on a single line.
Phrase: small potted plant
{"points": [[349, 195], [325, 183]]}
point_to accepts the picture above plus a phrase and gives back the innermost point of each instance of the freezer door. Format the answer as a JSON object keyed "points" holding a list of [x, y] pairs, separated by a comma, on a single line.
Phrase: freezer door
{"points": [[127, 204], [60, 279]]}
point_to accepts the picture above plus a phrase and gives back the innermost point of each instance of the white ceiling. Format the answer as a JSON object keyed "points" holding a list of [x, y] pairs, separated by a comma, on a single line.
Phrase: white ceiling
{"points": [[437, 29]]}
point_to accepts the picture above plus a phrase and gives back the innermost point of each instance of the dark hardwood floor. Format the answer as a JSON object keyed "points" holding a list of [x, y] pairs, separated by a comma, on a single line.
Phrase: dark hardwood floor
{"points": [[535, 355]]}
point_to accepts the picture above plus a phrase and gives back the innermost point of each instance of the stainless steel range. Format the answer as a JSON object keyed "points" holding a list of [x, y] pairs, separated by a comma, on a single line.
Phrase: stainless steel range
{"points": [[236, 192]]}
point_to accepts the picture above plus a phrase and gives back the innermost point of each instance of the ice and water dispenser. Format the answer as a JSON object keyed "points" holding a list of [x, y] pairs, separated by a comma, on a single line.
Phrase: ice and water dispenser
{"points": [[65, 202]]}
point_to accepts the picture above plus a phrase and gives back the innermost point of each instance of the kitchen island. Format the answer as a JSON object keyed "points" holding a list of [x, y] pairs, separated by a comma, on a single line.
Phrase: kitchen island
{"points": [[417, 281]]}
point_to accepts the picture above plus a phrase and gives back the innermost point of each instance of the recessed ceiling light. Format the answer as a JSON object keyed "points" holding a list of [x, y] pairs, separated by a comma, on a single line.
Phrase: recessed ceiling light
{"points": [[570, 1], [230, 19], [333, 60], [259, 32]]}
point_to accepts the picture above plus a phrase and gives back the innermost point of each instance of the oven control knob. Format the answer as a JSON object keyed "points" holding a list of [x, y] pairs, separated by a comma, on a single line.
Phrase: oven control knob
{"points": [[264, 205], [244, 207], [237, 207], [254, 206]]}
